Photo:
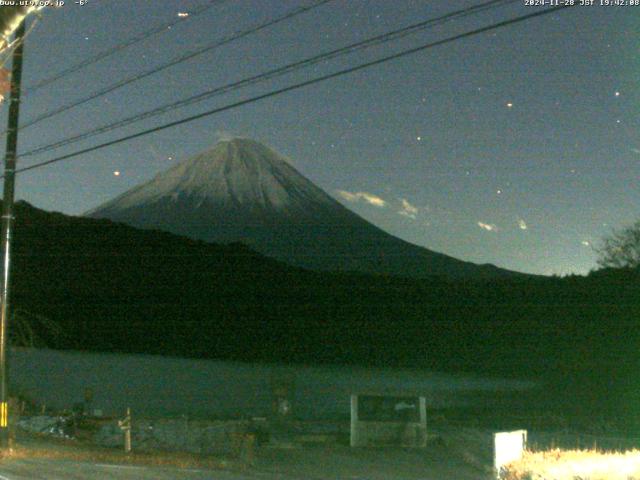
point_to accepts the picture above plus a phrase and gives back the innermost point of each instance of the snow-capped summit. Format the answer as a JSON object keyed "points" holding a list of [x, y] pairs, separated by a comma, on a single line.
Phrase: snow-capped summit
{"points": [[234, 173], [241, 190]]}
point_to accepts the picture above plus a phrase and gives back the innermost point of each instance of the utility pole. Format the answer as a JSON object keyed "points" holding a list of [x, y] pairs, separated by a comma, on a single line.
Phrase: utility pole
{"points": [[7, 226]]}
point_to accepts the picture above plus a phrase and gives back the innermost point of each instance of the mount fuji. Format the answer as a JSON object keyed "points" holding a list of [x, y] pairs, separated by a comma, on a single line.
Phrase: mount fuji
{"points": [[242, 191]]}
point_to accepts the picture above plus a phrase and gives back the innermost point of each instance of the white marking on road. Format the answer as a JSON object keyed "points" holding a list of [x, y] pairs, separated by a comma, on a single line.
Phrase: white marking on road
{"points": [[130, 467], [135, 467]]}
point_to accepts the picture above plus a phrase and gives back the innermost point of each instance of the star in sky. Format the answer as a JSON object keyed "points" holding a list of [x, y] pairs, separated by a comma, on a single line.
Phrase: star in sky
{"points": [[455, 108]]}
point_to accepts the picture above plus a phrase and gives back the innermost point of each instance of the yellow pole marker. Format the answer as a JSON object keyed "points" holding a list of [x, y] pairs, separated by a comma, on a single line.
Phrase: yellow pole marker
{"points": [[4, 414]]}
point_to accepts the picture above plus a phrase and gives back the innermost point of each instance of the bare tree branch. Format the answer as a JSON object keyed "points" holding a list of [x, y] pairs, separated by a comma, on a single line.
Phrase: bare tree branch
{"points": [[621, 249]]}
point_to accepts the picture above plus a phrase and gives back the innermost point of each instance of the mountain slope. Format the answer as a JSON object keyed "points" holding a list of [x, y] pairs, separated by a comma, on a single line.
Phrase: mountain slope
{"points": [[242, 191]]}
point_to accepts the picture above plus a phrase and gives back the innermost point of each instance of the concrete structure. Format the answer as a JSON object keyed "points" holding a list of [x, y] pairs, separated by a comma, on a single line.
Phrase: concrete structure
{"points": [[399, 420]]}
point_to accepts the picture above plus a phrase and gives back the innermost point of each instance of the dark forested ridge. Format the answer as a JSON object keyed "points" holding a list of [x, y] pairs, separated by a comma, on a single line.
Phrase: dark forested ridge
{"points": [[115, 288]]}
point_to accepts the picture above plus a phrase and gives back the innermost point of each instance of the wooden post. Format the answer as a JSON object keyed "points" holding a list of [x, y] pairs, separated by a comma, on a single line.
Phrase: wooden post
{"points": [[125, 426], [127, 433], [248, 454]]}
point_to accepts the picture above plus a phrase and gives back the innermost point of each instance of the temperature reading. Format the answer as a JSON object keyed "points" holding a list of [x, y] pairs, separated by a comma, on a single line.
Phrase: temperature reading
{"points": [[82, 2]]}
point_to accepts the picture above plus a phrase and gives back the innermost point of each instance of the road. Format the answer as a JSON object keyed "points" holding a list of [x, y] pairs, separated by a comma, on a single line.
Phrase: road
{"points": [[43, 469], [460, 456], [47, 469]]}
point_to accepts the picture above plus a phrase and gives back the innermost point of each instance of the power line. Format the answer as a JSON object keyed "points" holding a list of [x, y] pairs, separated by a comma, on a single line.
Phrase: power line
{"points": [[296, 86], [377, 40], [175, 61], [117, 48]]}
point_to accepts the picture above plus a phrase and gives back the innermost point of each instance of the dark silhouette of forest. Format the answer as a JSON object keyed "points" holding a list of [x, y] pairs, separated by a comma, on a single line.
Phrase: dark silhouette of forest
{"points": [[110, 287]]}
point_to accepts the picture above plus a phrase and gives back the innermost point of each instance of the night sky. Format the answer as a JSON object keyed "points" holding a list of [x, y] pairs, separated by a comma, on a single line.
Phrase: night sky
{"points": [[518, 147]]}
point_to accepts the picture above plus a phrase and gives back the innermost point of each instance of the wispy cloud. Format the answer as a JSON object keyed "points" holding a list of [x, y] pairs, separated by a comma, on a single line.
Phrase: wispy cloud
{"points": [[407, 209], [636, 150], [522, 224], [225, 136], [489, 227], [369, 198]]}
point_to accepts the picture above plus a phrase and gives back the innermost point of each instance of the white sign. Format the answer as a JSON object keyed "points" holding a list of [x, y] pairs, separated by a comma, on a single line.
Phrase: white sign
{"points": [[508, 447]]}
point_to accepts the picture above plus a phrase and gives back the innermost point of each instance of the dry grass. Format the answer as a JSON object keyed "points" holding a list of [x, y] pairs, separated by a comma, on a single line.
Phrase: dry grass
{"points": [[575, 465], [66, 450]]}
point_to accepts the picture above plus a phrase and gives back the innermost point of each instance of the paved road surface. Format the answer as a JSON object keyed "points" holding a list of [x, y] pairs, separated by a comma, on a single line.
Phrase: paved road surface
{"points": [[39, 469], [461, 457]]}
